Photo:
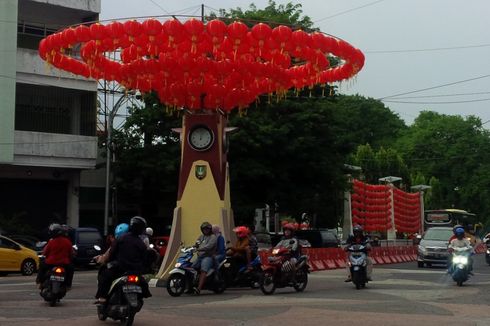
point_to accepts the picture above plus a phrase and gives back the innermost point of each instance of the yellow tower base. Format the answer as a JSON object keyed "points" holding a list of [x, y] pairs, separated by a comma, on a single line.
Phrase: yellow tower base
{"points": [[200, 202]]}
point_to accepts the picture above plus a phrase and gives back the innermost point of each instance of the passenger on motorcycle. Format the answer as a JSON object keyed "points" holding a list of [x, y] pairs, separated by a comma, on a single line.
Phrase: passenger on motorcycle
{"points": [[253, 243], [290, 242], [121, 229], [358, 237], [460, 241], [220, 245], [206, 250], [127, 254], [57, 252], [241, 252]]}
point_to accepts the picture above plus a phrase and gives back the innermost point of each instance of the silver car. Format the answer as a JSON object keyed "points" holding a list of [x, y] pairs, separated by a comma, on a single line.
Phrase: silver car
{"points": [[432, 248]]}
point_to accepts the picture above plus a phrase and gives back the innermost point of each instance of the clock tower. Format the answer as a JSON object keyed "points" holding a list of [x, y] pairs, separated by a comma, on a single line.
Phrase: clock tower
{"points": [[204, 184]]}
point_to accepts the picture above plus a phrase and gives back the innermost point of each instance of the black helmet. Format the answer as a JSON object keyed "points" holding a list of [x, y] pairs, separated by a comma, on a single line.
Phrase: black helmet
{"points": [[137, 225], [357, 229], [206, 226], [55, 230]]}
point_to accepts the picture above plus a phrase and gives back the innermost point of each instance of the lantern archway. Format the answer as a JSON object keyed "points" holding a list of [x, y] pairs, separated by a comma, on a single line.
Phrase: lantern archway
{"points": [[208, 69]]}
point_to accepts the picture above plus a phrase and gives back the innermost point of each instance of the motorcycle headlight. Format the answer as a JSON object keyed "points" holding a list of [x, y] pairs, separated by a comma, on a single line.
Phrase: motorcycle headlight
{"points": [[488, 251], [178, 265], [460, 260], [275, 251]]}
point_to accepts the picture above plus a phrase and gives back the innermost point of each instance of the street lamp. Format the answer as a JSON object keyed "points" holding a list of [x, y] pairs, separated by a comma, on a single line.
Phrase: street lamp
{"points": [[421, 188], [110, 121], [390, 179]]}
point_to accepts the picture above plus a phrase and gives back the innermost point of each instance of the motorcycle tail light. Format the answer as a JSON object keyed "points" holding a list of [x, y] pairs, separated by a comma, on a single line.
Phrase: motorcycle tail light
{"points": [[59, 270], [133, 279]]}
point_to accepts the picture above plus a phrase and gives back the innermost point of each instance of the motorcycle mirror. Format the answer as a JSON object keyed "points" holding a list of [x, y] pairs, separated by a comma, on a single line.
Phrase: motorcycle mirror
{"points": [[96, 247], [291, 242]]}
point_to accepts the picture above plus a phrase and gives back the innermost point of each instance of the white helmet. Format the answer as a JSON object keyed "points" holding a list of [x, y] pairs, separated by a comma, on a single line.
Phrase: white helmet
{"points": [[149, 231]]}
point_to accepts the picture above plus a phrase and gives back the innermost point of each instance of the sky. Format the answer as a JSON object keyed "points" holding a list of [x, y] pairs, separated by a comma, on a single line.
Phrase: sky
{"points": [[409, 45]]}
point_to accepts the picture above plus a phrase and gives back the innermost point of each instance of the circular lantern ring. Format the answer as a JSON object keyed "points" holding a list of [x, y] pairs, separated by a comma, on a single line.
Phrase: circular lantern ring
{"points": [[247, 62]]}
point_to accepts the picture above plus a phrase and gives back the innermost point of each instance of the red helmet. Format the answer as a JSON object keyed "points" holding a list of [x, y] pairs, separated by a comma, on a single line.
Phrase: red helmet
{"points": [[241, 231], [289, 226]]}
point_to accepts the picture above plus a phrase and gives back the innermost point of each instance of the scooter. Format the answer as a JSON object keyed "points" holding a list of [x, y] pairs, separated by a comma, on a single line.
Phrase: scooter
{"points": [[242, 276], [54, 288], [125, 299], [278, 272], [357, 263], [183, 278], [487, 253], [459, 269]]}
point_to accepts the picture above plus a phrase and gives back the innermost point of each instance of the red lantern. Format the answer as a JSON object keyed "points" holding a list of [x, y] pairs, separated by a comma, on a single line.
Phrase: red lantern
{"points": [[174, 30], [152, 27], [237, 31], [98, 31], [132, 28], [82, 33]]}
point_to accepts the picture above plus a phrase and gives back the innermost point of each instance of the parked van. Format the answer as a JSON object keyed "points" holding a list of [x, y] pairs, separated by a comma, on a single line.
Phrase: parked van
{"points": [[88, 243]]}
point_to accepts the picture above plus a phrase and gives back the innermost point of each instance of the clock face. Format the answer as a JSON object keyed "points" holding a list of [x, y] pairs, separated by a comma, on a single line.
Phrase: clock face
{"points": [[201, 138]]}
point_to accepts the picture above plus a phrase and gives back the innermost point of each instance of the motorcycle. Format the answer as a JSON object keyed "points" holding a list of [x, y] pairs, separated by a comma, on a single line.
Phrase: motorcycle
{"points": [[487, 253], [358, 261], [54, 288], [278, 272], [184, 277], [459, 269], [242, 276], [125, 299]]}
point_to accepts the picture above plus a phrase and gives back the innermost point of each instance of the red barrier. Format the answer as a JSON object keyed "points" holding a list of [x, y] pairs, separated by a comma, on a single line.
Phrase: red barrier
{"points": [[332, 258]]}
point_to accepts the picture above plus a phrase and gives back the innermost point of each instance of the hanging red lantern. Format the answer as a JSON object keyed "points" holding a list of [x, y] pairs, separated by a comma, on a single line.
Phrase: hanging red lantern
{"points": [[261, 32], [282, 35], [82, 33], [98, 32], [151, 27], [174, 29], [237, 31], [132, 28]]}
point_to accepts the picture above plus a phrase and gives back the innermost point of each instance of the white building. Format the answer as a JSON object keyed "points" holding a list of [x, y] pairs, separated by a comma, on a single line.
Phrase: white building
{"points": [[48, 118]]}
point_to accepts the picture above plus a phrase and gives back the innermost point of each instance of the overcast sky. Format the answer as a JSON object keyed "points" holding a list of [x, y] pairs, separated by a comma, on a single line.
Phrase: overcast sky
{"points": [[414, 30]]}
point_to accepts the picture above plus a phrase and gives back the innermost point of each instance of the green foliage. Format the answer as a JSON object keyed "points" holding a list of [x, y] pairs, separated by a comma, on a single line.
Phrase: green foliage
{"points": [[456, 151], [379, 164], [289, 13]]}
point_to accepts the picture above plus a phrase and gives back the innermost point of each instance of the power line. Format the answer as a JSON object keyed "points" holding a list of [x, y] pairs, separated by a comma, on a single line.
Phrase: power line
{"points": [[432, 49], [347, 11], [156, 4], [434, 87], [442, 102], [441, 95]]}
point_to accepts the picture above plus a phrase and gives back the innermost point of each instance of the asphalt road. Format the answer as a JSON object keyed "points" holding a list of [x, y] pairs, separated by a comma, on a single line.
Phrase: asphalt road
{"points": [[401, 294]]}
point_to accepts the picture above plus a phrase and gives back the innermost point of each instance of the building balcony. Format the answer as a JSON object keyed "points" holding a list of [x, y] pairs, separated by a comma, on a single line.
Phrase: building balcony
{"points": [[54, 150]]}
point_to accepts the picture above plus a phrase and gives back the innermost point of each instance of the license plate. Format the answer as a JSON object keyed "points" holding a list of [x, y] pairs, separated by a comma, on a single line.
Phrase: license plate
{"points": [[132, 289], [57, 278]]}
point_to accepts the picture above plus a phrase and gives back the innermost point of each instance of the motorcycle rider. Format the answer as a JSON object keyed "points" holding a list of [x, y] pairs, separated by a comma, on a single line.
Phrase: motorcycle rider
{"points": [[206, 250], [358, 237], [240, 252], [290, 242], [57, 252], [127, 254], [460, 242]]}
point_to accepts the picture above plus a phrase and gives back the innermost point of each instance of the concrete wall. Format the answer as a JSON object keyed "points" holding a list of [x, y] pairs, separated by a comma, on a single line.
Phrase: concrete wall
{"points": [[8, 43], [86, 5], [33, 70], [55, 150]]}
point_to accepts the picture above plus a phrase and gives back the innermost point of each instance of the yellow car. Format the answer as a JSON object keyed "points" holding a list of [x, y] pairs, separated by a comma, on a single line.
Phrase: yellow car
{"points": [[16, 258]]}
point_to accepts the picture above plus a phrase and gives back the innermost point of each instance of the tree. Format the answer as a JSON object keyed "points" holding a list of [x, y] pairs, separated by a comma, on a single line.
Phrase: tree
{"points": [[289, 13], [456, 151], [382, 163]]}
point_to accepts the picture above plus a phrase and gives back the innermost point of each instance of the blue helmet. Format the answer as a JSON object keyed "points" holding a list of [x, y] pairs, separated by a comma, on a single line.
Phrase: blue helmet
{"points": [[458, 231], [121, 229]]}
